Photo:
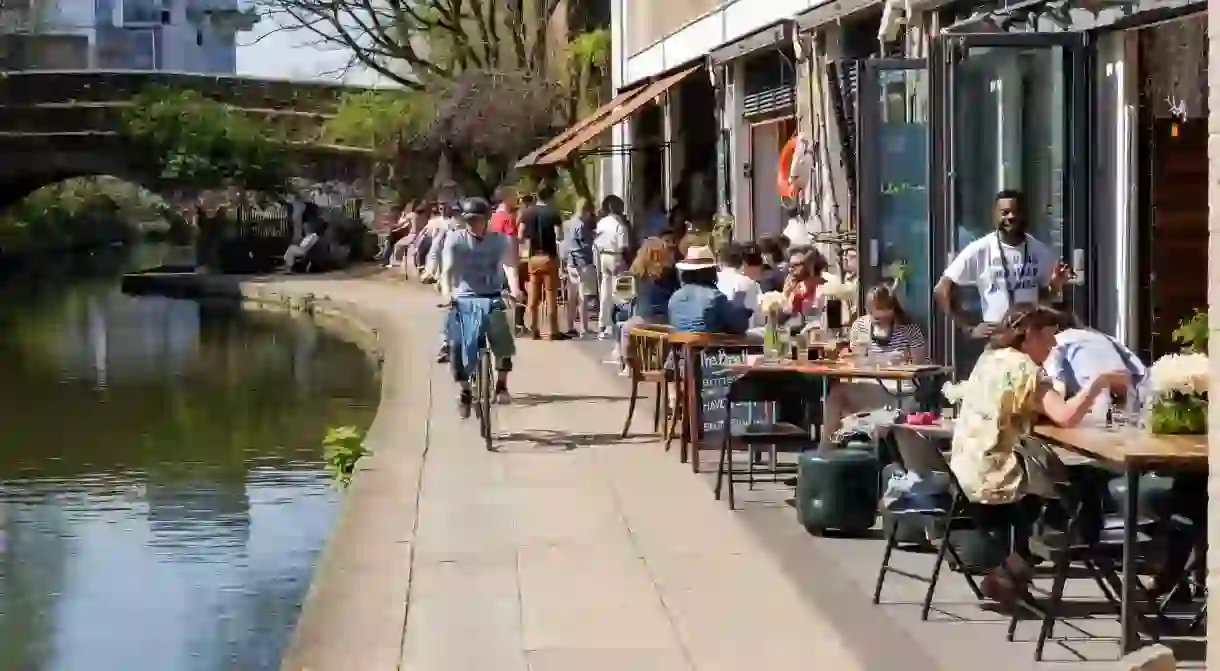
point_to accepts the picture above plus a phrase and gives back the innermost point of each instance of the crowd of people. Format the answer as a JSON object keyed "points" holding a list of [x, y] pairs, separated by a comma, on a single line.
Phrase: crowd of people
{"points": [[1037, 362]]}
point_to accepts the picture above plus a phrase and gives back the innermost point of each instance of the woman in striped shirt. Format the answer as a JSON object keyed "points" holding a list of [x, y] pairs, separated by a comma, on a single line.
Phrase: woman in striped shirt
{"points": [[885, 331]]}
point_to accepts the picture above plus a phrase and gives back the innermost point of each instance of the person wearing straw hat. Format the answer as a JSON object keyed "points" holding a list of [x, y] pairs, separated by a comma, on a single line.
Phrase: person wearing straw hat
{"points": [[699, 306]]}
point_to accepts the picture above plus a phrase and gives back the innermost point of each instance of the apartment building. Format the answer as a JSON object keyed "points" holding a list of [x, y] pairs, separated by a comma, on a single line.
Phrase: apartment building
{"points": [[173, 35]]}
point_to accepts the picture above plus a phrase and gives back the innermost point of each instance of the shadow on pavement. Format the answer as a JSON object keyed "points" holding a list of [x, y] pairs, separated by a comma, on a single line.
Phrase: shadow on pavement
{"points": [[530, 400], [545, 438]]}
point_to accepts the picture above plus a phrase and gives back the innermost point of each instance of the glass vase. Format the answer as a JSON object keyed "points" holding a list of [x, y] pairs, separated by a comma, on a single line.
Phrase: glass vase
{"points": [[773, 345]]}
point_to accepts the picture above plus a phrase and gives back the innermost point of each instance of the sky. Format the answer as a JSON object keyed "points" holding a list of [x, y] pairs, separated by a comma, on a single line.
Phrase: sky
{"points": [[268, 51]]}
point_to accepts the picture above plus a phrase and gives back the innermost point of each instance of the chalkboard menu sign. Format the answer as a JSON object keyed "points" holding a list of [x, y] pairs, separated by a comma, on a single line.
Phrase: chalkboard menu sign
{"points": [[714, 391]]}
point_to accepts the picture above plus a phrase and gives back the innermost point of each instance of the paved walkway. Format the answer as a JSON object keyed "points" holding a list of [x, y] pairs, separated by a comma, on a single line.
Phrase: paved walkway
{"points": [[567, 549], [573, 550]]}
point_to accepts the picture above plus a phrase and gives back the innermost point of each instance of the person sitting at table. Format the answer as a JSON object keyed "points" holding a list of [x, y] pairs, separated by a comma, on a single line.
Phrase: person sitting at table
{"points": [[1004, 395], [775, 262], [738, 277], [656, 280], [1082, 354], [884, 331], [803, 290], [699, 306]]}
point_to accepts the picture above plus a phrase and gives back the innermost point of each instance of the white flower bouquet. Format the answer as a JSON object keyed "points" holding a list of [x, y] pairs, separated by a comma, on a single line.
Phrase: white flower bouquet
{"points": [[835, 288], [1177, 386], [771, 303], [953, 392]]}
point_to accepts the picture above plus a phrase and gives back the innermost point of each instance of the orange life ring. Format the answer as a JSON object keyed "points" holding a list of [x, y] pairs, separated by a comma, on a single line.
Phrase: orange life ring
{"points": [[786, 155]]}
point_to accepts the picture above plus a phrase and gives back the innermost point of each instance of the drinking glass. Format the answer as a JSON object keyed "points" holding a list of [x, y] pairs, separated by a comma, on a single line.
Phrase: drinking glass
{"points": [[1126, 411]]}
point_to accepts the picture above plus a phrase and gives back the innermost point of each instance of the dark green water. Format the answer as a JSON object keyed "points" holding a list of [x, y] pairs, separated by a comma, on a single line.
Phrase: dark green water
{"points": [[162, 499]]}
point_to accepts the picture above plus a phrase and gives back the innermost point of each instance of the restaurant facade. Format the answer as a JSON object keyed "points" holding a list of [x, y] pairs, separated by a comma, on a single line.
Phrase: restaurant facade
{"points": [[910, 116]]}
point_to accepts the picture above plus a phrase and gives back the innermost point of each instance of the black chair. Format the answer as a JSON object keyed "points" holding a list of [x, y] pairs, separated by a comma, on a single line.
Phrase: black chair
{"points": [[959, 516], [772, 387], [1098, 549]]}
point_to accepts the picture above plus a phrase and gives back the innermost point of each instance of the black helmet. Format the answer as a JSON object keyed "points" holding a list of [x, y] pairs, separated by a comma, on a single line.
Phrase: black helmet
{"points": [[475, 207]]}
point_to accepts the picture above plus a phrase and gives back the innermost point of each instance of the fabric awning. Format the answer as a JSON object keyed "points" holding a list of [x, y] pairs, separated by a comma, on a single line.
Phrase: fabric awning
{"points": [[597, 115], [619, 109]]}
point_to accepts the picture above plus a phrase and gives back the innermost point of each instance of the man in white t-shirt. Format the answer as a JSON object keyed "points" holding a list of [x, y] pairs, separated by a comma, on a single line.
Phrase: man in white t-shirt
{"points": [[1007, 267]]}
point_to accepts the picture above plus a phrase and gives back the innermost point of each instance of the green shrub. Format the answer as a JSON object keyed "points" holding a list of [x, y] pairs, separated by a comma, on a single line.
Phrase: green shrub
{"points": [[1192, 333], [343, 446]]}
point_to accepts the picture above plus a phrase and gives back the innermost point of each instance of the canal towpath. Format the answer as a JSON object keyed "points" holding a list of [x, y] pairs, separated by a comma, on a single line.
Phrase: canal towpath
{"points": [[569, 548], [566, 549]]}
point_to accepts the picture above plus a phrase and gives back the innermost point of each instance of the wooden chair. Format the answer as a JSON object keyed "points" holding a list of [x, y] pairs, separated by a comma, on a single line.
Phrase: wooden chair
{"points": [[647, 353]]}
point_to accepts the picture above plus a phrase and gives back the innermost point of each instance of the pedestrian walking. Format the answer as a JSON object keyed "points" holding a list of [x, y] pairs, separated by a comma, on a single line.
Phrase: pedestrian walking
{"points": [[611, 243], [540, 228]]}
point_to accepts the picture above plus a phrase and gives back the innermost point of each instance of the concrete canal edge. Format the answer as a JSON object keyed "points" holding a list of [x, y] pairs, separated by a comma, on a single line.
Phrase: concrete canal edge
{"points": [[354, 615]]}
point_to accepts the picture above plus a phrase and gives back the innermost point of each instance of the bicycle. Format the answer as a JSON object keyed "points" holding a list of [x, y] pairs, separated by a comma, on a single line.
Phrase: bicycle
{"points": [[483, 382]]}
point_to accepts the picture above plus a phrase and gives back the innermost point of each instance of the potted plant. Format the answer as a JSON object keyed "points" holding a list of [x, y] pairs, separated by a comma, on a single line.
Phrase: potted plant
{"points": [[1178, 394]]}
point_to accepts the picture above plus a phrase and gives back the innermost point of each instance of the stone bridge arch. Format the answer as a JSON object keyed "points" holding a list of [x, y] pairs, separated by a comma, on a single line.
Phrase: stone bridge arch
{"points": [[55, 125], [23, 172]]}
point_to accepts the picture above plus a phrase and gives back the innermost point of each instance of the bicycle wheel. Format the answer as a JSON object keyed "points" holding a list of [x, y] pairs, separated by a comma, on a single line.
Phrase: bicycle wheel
{"points": [[486, 391]]}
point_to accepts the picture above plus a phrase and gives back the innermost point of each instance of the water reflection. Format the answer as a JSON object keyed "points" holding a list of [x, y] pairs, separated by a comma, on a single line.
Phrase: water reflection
{"points": [[162, 503]]}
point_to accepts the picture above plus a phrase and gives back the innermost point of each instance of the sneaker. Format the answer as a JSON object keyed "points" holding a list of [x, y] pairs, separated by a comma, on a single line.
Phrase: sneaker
{"points": [[560, 336], [465, 400], [502, 396], [443, 355], [604, 335]]}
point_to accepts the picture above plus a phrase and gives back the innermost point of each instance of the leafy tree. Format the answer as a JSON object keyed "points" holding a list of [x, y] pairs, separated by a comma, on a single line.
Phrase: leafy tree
{"points": [[413, 43], [193, 141], [495, 83], [481, 120]]}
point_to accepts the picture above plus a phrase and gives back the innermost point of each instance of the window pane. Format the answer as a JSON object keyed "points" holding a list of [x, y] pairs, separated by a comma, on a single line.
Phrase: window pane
{"points": [[1009, 132], [902, 212], [141, 11]]}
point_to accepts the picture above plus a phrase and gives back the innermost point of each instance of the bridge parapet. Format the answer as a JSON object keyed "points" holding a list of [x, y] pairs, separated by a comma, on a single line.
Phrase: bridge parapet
{"points": [[33, 87], [71, 117]]}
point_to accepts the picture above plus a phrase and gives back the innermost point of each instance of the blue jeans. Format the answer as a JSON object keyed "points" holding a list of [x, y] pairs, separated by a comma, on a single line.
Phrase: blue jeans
{"points": [[469, 320]]}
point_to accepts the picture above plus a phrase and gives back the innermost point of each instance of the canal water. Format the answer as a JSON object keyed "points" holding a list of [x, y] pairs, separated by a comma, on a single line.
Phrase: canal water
{"points": [[162, 496]]}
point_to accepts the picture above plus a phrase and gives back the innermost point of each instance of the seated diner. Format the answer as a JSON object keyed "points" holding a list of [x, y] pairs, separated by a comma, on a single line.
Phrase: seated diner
{"points": [[884, 332], [1083, 353], [699, 306], [803, 290], [656, 280], [1001, 401]]}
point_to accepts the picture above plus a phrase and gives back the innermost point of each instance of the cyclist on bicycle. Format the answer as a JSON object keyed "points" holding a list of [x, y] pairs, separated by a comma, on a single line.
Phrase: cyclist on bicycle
{"points": [[477, 264]]}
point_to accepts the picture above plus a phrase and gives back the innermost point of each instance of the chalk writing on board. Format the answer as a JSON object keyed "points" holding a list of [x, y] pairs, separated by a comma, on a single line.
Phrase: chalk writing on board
{"points": [[714, 390]]}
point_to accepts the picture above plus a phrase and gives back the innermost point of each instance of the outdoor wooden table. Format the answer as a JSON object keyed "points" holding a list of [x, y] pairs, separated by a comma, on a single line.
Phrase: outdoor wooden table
{"points": [[845, 369], [1132, 451]]}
